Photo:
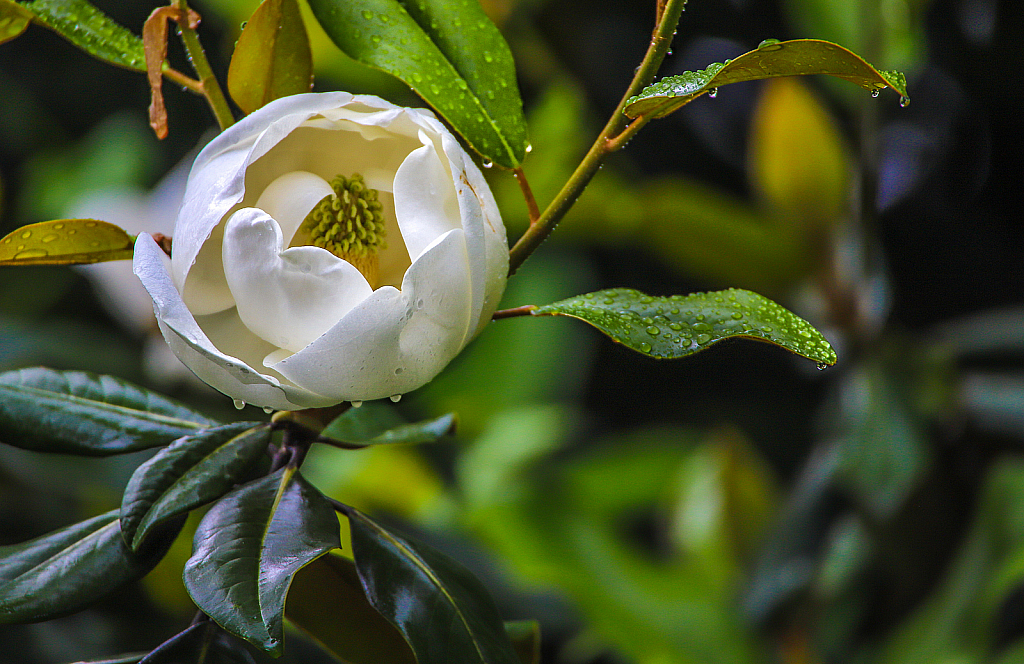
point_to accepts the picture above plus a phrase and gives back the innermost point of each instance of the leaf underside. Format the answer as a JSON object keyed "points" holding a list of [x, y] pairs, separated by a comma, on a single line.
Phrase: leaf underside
{"points": [[450, 53], [769, 60], [677, 326], [73, 412], [376, 423]]}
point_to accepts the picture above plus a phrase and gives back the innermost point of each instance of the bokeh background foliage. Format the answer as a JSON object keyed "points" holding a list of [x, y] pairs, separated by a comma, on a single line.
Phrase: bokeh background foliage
{"points": [[734, 506]]}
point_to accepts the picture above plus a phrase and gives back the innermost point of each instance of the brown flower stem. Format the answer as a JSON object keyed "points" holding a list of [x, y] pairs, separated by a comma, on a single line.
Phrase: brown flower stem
{"points": [[615, 134], [531, 202], [524, 310]]}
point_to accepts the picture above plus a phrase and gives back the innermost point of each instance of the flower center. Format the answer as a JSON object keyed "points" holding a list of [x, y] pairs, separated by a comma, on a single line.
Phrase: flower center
{"points": [[350, 225]]}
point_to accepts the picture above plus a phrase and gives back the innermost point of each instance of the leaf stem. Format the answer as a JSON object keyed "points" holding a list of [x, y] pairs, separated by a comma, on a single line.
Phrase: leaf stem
{"points": [[525, 310], [615, 134], [175, 76], [207, 80]]}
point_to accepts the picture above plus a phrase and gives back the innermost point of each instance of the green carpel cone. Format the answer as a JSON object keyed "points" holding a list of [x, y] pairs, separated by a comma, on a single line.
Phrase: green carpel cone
{"points": [[350, 225]]}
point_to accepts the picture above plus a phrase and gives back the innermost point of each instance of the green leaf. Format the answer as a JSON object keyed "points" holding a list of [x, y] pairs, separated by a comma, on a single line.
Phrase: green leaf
{"points": [[375, 423], [272, 58], [66, 570], [193, 471], [525, 637], [770, 59], [329, 587], [14, 19], [72, 412], [677, 326], [249, 546], [450, 53], [443, 611], [90, 30], [66, 242]]}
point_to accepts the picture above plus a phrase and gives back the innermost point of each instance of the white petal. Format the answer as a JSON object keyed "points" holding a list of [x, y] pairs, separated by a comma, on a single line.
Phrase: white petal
{"points": [[425, 201], [190, 343], [291, 197], [287, 297], [394, 341]]}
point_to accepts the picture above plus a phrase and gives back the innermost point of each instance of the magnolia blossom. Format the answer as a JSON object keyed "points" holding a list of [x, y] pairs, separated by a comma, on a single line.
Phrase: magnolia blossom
{"points": [[329, 248]]}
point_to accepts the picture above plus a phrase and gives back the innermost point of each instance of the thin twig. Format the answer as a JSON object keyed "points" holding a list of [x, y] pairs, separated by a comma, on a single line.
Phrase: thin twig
{"points": [[175, 76], [612, 137], [197, 56]]}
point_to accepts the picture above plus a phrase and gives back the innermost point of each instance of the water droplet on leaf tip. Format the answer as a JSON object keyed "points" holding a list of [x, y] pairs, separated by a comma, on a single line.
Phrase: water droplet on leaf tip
{"points": [[239, 404], [904, 102], [821, 366], [713, 92]]}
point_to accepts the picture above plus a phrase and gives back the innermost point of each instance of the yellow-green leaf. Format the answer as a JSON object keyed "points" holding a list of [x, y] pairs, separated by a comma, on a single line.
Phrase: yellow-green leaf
{"points": [[770, 59], [14, 19], [66, 242], [272, 58]]}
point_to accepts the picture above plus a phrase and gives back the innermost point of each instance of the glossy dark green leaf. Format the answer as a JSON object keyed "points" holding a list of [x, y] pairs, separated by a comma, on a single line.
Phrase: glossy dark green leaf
{"points": [[770, 59], [193, 471], [376, 423], [680, 325], [249, 546], [68, 569], [66, 242], [443, 611], [14, 19], [90, 30], [328, 588], [73, 412], [450, 53], [525, 637], [272, 58]]}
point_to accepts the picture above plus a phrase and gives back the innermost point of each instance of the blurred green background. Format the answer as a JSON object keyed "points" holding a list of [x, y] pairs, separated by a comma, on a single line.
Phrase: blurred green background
{"points": [[738, 506]]}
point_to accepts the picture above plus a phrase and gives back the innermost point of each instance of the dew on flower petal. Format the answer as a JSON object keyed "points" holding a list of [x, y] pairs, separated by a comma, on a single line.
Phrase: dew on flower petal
{"points": [[268, 410], [399, 371], [395, 398], [357, 404], [239, 404]]}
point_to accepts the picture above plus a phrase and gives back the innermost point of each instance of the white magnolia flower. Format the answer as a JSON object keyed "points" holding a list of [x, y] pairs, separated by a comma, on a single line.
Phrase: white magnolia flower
{"points": [[415, 256]]}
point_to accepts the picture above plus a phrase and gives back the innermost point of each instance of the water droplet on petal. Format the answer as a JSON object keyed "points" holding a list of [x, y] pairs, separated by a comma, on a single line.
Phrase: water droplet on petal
{"points": [[357, 404], [395, 398], [268, 410], [239, 404]]}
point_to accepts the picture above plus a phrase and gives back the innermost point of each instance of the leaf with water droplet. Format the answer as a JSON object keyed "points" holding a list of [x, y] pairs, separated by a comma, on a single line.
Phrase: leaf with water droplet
{"points": [[90, 30], [66, 242], [450, 53], [14, 19], [771, 59], [377, 423], [696, 321], [272, 58]]}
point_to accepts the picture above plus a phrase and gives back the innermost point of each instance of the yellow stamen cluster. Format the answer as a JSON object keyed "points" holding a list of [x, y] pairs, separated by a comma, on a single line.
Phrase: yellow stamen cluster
{"points": [[350, 224]]}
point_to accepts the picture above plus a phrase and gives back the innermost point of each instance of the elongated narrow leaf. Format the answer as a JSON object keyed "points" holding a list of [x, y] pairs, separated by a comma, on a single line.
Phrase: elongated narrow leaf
{"points": [[66, 242], [73, 412], [771, 59], [376, 423], [443, 611], [70, 568], [272, 58], [450, 53], [90, 30], [193, 471], [328, 588], [248, 547], [14, 19], [677, 326]]}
